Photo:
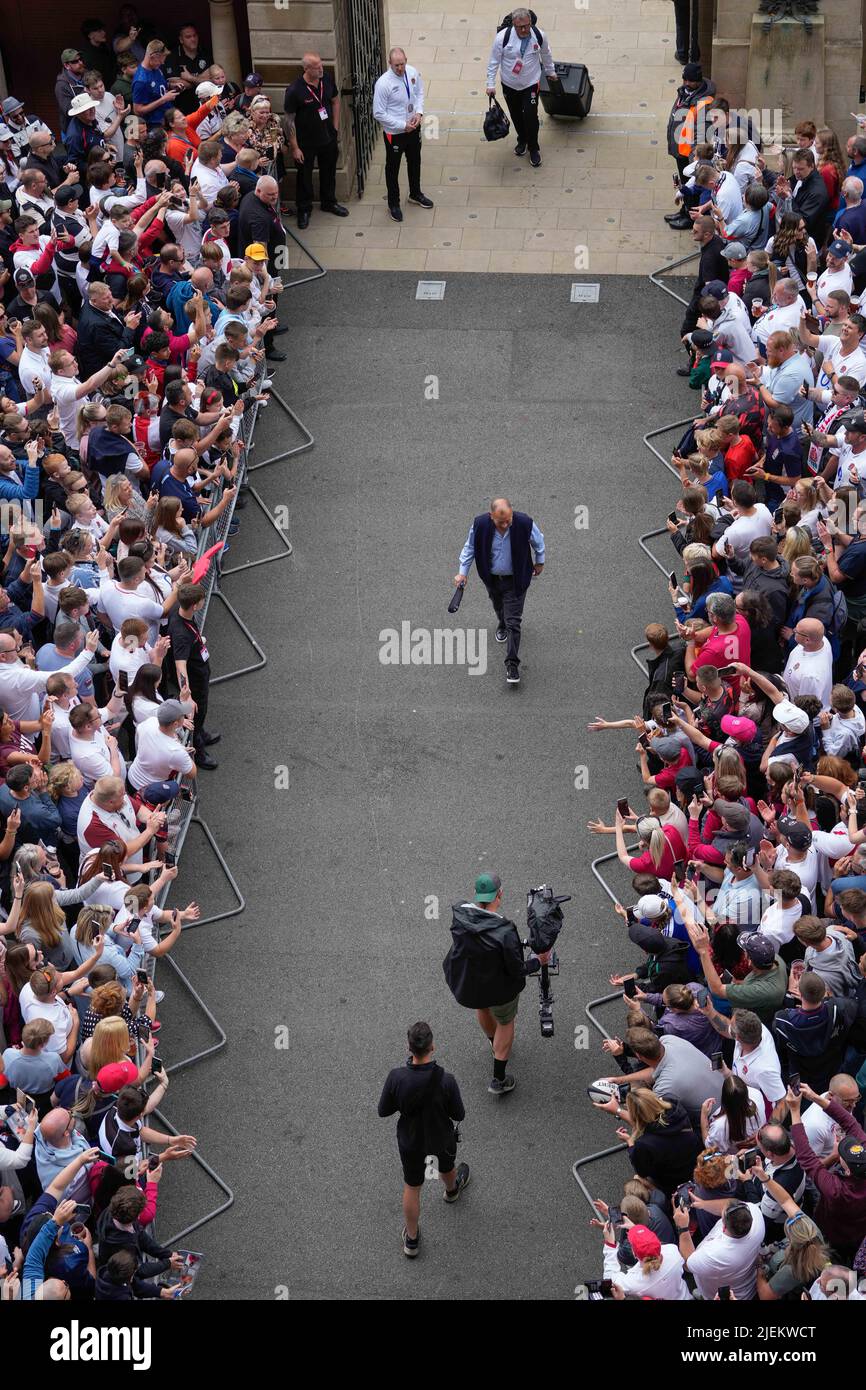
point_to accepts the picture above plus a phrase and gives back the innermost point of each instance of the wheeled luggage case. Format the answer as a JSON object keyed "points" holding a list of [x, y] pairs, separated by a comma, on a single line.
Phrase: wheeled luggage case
{"points": [[573, 95]]}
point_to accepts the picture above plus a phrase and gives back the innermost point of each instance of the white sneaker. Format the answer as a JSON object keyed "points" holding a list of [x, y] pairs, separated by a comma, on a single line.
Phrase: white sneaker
{"points": [[159, 996], [267, 383]]}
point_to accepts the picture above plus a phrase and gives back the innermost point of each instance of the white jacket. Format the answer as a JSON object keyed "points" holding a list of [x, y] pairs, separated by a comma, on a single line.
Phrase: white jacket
{"points": [[530, 64], [393, 106]]}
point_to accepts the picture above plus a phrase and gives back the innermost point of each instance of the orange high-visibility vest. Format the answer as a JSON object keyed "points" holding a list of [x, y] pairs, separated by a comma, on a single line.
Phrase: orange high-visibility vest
{"points": [[687, 139]]}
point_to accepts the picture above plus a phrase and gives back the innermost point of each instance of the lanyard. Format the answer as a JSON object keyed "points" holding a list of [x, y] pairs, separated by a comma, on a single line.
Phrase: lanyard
{"points": [[406, 85], [312, 91]]}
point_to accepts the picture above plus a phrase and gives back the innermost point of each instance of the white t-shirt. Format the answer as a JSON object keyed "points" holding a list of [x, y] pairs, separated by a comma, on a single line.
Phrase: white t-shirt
{"points": [[777, 320], [805, 869], [666, 1283], [93, 758], [832, 280], [61, 731], [105, 113], [778, 922], [210, 181], [122, 660], [57, 1013], [746, 529], [810, 673], [147, 928], [187, 235], [33, 364], [760, 1069], [158, 756], [822, 1132], [852, 365], [722, 1259], [851, 468], [119, 604], [717, 1131], [64, 390]]}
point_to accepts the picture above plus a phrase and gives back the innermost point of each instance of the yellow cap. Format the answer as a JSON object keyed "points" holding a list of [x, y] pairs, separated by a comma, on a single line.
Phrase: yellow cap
{"points": [[256, 251]]}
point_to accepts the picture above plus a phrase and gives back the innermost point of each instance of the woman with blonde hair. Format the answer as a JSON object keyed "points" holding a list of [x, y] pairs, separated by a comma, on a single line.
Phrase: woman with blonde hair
{"points": [[661, 846], [121, 496], [797, 543], [802, 1258], [109, 1042], [662, 1146], [265, 132], [91, 413], [43, 922], [96, 921]]}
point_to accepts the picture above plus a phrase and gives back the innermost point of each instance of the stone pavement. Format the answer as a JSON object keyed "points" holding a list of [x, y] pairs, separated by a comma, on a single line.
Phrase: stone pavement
{"points": [[604, 183]]}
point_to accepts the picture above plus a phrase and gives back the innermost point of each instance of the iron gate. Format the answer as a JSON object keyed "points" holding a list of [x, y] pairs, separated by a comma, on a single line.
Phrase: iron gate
{"points": [[366, 64]]}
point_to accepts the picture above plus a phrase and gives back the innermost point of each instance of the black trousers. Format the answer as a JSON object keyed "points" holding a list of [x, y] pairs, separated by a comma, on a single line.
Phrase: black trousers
{"points": [[327, 157], [683, 19], [199, 690], [508, 606], [523, 109], [408, 143]]}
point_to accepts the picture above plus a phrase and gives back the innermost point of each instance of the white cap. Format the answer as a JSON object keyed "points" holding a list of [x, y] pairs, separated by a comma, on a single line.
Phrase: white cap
{"points": [[791, 717], [6, 133], [205, 90]]}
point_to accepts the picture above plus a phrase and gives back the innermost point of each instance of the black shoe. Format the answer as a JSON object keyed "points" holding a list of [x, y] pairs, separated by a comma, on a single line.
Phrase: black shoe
{"points": [[680, 224], [512, 674], [420, 199], [208, 740], [410, 1247], [395, 213], [501, 634], [674, 216], [462, 1180], [273, 356], [206, 761], [535, 158], [336, 208], [303, 220], [520, 147], [684, 371], [277, 331], [681, 57]]}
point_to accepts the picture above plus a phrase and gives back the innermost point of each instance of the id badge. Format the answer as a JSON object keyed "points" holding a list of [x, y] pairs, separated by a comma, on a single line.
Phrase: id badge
{"points": [[518, 67], [410, 107], [323, 114], [204, 654]]}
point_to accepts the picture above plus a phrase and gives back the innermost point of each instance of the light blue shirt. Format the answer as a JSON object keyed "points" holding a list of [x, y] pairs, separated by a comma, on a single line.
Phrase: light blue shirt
{"points": [[783, 384], [501, 557]]}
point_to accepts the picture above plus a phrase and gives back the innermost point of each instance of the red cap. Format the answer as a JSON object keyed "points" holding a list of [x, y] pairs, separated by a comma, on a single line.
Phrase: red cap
{"points": [[115, 1076], [644, 1242]]}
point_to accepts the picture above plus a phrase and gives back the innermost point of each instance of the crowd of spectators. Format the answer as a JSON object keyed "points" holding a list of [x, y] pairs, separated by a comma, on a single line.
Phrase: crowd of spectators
{"points": [[138, 235], [742, 1056]]}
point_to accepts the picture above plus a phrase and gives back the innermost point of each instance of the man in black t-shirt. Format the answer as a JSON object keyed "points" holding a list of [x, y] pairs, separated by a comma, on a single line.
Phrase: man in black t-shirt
{"points": [[192, 663], [429, 1102], [313, 109]]}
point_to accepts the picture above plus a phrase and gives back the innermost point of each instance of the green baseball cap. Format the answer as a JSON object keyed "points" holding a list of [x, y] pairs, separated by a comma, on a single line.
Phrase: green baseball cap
{"points": [[487, 887]]}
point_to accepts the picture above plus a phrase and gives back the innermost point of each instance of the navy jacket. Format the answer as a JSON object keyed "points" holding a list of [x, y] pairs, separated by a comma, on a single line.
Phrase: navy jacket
{"points": [[521, 554]]}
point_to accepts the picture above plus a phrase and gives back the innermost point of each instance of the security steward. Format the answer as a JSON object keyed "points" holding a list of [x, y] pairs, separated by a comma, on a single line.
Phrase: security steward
{"points": [[519, 52], [508, 550], [398, 106], [688, 124], [313, 108]]}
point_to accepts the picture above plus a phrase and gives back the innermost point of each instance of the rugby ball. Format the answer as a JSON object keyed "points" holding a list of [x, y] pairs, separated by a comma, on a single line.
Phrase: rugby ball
{"points": [[602, 1090]]}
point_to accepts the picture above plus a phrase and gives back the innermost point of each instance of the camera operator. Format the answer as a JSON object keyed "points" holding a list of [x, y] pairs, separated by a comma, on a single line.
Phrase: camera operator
{"points": [[486, 971]]}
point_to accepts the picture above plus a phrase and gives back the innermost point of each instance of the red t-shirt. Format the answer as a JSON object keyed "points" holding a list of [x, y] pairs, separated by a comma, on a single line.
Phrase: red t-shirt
{"points": [[667, 778], [739, 457], [674, 850], [724, 647]]}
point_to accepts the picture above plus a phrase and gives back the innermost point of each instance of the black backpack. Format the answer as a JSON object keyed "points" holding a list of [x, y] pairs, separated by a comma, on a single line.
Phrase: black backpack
{"points": [[508, 24]]}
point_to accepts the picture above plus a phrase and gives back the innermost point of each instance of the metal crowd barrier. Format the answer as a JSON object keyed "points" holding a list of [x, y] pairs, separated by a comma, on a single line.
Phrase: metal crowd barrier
{"points": [[183, 812], [581, 1163]]}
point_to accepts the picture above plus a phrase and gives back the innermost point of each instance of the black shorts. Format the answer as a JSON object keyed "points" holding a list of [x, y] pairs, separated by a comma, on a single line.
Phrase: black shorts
{"points": [[415, 1165]]}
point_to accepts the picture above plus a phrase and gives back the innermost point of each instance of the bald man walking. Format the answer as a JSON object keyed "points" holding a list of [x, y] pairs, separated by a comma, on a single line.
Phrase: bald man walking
{"points": [[508, 550], [398, 106], [312, 105]]}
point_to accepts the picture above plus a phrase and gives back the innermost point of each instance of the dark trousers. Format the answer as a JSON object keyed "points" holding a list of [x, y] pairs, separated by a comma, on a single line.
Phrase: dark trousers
{"points": [[408, 143], [327, 157], [508, 607], [523, 109], [684, 43], [199, 690]]}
